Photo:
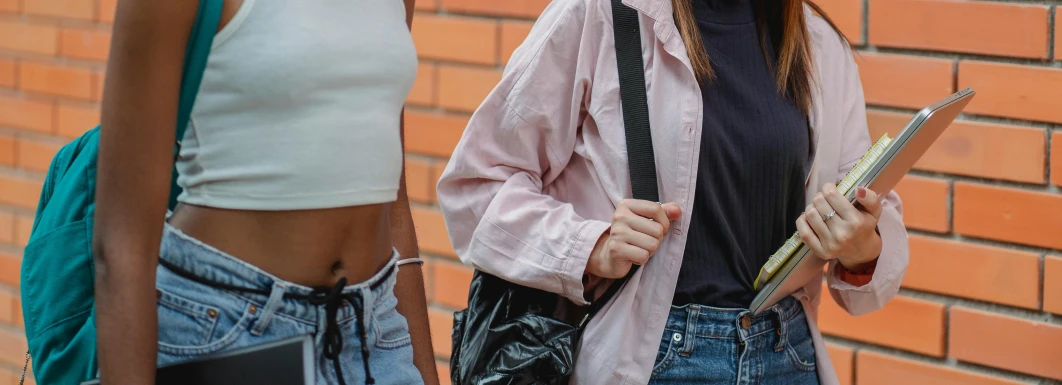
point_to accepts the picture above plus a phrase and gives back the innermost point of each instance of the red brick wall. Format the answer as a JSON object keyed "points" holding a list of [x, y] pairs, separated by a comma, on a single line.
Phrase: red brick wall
{"points": [[982, 299]]}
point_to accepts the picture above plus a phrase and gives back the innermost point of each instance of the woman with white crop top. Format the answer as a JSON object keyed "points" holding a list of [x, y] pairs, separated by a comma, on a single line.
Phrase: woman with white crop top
{"points": [[293, 217]]}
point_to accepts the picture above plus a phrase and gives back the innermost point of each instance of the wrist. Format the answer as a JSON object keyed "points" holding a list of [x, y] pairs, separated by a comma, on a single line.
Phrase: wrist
{"points": [[868, 256]]}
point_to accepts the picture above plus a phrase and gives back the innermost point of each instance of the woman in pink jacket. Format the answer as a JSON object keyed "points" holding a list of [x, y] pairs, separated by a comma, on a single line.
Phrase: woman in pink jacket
{"points": [[756, 107]]}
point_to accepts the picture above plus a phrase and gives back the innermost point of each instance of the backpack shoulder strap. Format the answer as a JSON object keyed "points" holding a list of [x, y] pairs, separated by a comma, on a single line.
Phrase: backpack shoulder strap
{"points": [[641, 160], [195, 58]]}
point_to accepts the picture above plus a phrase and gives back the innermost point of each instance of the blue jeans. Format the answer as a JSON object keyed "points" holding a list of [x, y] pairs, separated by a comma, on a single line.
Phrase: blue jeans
{"points": [[197, 316], [706, 345]]}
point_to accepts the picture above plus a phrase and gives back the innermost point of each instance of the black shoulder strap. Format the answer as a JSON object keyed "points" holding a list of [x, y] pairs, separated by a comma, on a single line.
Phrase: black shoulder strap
{"points": [[640, 159]]}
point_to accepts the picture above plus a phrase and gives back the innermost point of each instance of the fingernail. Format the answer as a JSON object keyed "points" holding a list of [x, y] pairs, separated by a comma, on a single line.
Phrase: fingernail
{"points": [[861, 192]]}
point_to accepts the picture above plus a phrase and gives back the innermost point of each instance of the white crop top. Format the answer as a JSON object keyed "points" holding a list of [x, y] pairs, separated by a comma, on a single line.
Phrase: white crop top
{"points": [[299, 107]]}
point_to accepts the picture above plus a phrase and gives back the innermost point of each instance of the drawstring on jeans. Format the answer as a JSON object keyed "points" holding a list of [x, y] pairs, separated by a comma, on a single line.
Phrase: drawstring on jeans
{"points": [[329, 297]]}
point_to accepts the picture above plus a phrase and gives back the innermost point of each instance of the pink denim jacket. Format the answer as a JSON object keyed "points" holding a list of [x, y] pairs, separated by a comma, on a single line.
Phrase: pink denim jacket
{"points": [[535, 179]]}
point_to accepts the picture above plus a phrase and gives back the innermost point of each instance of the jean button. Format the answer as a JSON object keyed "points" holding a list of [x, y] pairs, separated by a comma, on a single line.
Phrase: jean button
{"points": [[677, 337], [745, 322]]}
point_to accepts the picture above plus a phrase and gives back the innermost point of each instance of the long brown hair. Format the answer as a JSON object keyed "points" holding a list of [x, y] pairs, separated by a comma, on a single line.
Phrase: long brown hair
{"points": [[793, 72]]}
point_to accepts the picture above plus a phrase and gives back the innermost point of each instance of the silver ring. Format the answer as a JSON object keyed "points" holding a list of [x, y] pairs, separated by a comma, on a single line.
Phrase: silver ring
{"points": [[828, 216]]}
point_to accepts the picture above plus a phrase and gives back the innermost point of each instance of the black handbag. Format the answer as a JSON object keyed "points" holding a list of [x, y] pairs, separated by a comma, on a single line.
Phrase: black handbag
{"points": [[509, 333]]}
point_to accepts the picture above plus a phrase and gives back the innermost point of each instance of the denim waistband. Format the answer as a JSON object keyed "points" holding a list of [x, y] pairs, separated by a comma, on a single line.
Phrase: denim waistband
{"points": [[213, 265], [707, 321]]}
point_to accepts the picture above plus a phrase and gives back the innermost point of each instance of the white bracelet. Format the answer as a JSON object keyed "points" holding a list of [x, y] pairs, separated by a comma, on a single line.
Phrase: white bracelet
{"points": [[406, 261]]}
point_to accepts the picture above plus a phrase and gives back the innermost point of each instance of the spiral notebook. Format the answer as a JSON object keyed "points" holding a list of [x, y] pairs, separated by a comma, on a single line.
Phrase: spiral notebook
{"points": [[285, 362], [887, 161]]}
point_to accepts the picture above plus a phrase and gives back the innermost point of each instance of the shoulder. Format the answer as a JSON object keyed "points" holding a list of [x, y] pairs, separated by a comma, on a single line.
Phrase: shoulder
{"points": [[826, 44]]}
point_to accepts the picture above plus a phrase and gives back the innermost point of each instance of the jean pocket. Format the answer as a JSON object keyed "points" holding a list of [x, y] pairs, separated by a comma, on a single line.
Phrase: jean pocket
{"points": [[799, 345], [389, 326], [669, 345], [190, 326]]}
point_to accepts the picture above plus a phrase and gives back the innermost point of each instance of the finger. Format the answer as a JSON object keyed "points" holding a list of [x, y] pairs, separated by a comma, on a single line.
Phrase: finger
{"points": [[672, 210], [808, 236], [824, 208], [648, 227], [814, 219], [638, 239], [839, 202], [651, 210], [621, 251], [870, 201]]}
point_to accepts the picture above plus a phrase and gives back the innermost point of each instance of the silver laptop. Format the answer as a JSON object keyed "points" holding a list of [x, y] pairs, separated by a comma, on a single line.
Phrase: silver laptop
{"points": [[901, 154]]}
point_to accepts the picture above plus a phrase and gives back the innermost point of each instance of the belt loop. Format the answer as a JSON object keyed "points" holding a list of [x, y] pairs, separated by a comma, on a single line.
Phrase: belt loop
{"points": [[271, 306], [781, 330], [692, 314]]}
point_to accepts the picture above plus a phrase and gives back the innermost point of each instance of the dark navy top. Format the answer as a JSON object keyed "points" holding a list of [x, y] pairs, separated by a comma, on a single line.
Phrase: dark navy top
{"points": [[754, 149]]}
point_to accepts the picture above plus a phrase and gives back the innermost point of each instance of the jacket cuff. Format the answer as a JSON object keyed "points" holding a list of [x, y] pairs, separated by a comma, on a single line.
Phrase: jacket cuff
{"points": [[888, 273], [577, 255]]}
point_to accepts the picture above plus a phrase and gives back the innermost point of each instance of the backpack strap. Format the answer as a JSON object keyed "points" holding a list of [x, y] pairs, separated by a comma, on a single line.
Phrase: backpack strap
{"points": [[195, 59], [641, 160]]}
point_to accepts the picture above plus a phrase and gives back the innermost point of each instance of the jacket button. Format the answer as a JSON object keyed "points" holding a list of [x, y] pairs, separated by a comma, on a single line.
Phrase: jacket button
{"points": [[746, 322], [677, 337]]}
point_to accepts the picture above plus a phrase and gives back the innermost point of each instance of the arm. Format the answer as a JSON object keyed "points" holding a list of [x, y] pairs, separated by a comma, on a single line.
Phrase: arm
{"points": [[519, 140], [891, 263], [135, 163], [410, 285]]}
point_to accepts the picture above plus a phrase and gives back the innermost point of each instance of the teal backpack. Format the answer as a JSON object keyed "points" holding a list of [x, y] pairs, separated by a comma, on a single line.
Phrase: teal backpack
{"points": [[57, 264]]}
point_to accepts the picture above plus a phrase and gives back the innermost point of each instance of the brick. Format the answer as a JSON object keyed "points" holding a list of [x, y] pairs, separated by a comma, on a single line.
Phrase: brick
{"points": [[1019, 30], [441, 324], [36, 155], [451, 284], [925, 203], [7, 228], [19, 191], [431, 232], [70, 9], [847, 15], [1053, 284], [8, 151], [1056, 157], [976, 149], [444, 372], [27, 114], [1005, 342], [904, 323], [1009, 215], [11, 6], [9, 270], [464, 88], [904, 81], [423, 91], [881, 369], [985, 273], [426, 5], [17, 35], [12, 347], [7, 308], [432, 133], [1058, 35], [513, 33], [7, 73], [418, 180], [518, 8], [1013, 91], [23, 228], [56, 80], [74, 120], [455, 38], [105, 10], [842, 358], [84, 43]]}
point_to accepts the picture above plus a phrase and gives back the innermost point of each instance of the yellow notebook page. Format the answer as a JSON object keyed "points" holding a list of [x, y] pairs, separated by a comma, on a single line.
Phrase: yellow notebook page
{"points": [[794, 243]]}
